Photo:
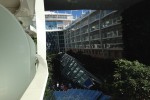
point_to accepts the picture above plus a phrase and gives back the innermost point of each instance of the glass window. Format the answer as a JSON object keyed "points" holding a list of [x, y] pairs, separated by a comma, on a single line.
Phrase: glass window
{"points": [[76, 70], [80, 73], [79, 81], [68, 73]]}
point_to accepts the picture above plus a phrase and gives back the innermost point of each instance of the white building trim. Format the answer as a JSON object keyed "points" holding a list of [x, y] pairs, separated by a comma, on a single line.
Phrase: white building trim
{"points": [[40, 27]]}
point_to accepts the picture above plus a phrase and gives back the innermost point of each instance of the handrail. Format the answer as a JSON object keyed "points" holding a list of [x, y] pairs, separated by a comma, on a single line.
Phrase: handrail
{"points": [[36, 89]]}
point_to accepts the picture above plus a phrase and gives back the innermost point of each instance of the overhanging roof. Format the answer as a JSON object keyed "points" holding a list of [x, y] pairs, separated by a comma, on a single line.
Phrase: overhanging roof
{"points": [[88, 4]]}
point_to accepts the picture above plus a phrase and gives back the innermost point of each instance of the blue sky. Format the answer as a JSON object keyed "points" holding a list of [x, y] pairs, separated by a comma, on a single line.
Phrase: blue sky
{"points": [[74, 12]]}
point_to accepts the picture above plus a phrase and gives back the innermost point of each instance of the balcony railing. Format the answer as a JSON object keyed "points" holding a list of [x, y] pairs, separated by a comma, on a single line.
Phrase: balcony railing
{"points": [[111, 25], [109, 13], [37, 86]]}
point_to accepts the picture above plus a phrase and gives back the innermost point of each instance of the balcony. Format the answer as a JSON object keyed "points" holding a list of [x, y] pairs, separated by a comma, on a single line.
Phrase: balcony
{"points": [[58, 17], [113, 46], [111, 25], [111, 37], [96, 46], [94, 28], [94, 18], [108, 13], [23, 73], [48, 29]]}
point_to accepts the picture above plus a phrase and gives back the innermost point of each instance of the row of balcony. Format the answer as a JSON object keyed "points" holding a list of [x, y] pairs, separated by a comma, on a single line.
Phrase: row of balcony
{"points": [[106, 13], [93, 28], [91, 18], [82, 17], [96, 46], [92, 38], [58, 17]]}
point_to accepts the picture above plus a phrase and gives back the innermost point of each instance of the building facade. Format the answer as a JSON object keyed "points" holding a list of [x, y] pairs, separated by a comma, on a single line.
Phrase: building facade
{"points": [[96, 33], [55, 25]]}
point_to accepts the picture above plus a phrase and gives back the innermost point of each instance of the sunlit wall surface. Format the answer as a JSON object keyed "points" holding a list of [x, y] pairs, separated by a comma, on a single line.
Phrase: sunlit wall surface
{"points": [[17, 61]]}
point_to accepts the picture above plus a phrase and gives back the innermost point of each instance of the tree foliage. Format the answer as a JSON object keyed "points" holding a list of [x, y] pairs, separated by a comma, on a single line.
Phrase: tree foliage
{"points": [[132, 80], [49, 81]]}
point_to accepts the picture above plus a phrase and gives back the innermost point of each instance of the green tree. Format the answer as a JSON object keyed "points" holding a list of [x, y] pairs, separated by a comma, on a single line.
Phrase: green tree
{"points": [[48, 91], [131, 80]]}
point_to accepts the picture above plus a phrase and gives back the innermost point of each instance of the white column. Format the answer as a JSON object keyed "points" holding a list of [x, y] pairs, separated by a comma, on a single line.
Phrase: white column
{"points": [[40, 27]]}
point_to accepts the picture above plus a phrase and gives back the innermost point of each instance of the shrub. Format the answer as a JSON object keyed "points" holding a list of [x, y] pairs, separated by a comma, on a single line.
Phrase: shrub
{"points": [[131, 80]]}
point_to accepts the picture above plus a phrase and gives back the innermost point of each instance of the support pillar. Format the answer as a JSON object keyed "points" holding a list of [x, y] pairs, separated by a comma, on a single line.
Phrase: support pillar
{"points": [[40, 27]]}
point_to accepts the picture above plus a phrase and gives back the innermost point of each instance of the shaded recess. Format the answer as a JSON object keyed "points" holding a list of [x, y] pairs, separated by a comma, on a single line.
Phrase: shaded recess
{"points": [[88, 4], [136, 32]]}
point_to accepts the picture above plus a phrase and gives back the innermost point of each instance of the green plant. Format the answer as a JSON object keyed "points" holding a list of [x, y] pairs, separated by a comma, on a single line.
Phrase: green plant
{"points": [[132, 80], [48, 91]]}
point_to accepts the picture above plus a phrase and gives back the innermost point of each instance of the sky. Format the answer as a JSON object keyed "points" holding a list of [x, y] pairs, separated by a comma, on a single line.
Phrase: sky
{"points": [[76, 13]]}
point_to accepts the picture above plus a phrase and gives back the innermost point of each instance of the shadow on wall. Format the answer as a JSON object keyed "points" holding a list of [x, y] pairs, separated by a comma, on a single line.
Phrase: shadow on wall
{"points": [[136, 32], [97, 66]]}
